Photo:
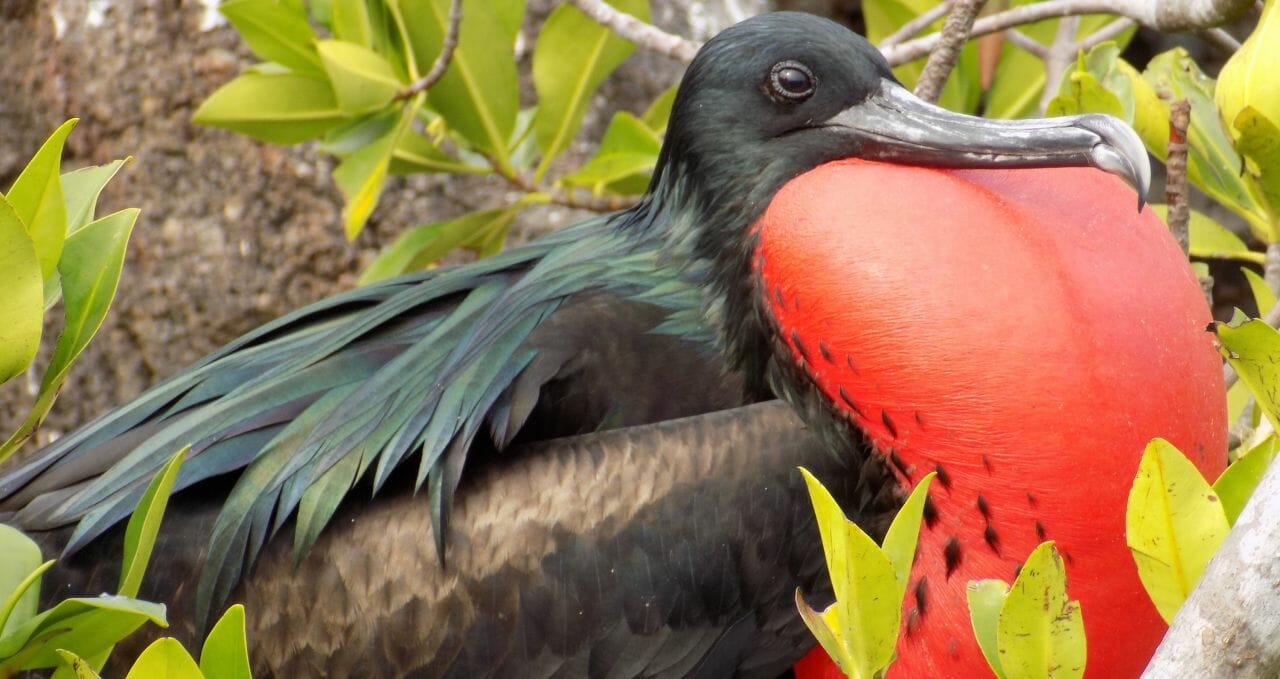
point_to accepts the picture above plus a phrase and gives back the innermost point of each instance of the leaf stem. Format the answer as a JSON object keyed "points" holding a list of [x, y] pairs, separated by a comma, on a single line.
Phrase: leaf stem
{"points": [[441, 63]]}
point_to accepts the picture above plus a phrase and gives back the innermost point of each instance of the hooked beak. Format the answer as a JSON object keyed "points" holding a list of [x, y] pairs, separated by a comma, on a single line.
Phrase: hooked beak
{"points": [[896, 126]]}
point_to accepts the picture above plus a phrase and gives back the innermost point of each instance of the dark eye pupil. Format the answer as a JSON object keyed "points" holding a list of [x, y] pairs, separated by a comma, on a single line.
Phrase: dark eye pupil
{"points": [[793, 80]]}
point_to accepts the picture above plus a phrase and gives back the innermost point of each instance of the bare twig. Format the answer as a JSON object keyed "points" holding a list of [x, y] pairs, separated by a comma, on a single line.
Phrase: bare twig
{"points": [[1108, 32], [1220, 39], [1230, 625], [441, 63], [912, 28], [1164, 15], [1175, 183], [1025, 42], [955, 32], [634, 30], [1061, 53]]}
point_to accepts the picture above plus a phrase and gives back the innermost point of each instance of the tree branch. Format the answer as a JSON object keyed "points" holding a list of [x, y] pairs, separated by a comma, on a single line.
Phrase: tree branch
{"points": [[1058, 59], [441, 64], [1025, 42], [1108, 32], [634, 30], [1175, 182], [1230, 625], [912, 28], [955, 32]]}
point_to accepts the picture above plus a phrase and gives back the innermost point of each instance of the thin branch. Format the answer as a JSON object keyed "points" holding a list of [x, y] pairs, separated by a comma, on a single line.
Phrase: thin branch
{"points": [[1220, 39], [1164, 15], [562, 198], [955, 32], [1108, 32], [1271, 267], [1060, 55], [912, 28], [1175, 183], [1025, 42], [634, 30], [441, 63]]}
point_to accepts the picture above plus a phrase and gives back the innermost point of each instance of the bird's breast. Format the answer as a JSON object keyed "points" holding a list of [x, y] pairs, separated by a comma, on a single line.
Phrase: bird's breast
{"points": [[1022, 333]]}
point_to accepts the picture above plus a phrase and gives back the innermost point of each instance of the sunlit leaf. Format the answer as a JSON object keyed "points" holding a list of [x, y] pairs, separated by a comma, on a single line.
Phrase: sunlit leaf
{"points": [[36, 197], [79, 667], [904, 533], [165, 658], [362, 79], [80, 190], [22, 304], [423, 245], [275, 31], [1019, 80], [1258, 140], [1253, 350], [282, 108], [1236, 484], [19, 591], [1173, 524], [986, 597], [572, 57], [1209, 239], [658, 114], [629, 147], [963, 89], [1245, 81], [361, 176], [349, 20], [1263, 295], [1041, 632], [84, 626], [144, 525], [225, 654]]}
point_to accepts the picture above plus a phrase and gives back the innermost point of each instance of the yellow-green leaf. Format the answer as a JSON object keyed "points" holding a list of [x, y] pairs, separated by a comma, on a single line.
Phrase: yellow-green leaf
{"points": [[629, 147], [144, 525], [1173, 524], [963, 89], [1209, 239], [361, 176], [36, 197], [1020, 79], [165, 658], [478, 95], [276, 31], [362, 79], [423, 245], [350, 22], [1236, 484], [1258, 140], [20, 571], [658, 114], [825, 631], [986, 597], [22, 304], [80, 668], [1041, 632], [572, 57], [904, 533], [1263, 295], [282, 108], [1247, 80], [80, 189], [1253, 349], [225, 654]]}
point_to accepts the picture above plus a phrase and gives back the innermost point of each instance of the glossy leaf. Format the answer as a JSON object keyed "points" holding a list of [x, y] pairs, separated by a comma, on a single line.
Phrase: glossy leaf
{"points": [[1138, 103], [425, 244], [165, 658], [415, 153], [282, 108], [79, 667], [1246, 80], [276, 31], [362, 79], [349, 20], [1173, 524], [1041, 632], [572, 57], [1236, 484], [22, 304], [1258, 140], [19, 590], [478, 95], [864, 620], [986, 597], [1209, 239], [1253, 350], [84, 626], [36, 197], [80, 191], [361, 176], [904, 533], [226, 654], [629, 147], [144, 525], [1263, 295]]}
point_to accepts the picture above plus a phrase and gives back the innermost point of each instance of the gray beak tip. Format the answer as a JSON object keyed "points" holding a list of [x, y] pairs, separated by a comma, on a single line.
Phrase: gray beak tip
{"points": [[1119, 151]]}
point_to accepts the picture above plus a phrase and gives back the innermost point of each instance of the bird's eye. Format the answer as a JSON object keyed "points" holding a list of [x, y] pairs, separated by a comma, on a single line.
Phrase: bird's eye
{"points": [[791, 80]]}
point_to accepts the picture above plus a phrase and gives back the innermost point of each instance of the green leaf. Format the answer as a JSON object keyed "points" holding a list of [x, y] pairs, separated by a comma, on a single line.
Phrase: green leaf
{"points": [[1041, 631], [986, 597], [572, 57], [36, 197], [963, 89], [864, 620], [81, 189], [825, 631], [1253, 349], [84, 626], [80, 668], [350, 22], [1084, 94], [144, 525], [478, 95], [165, 658], [1258, 140], [1236, 484], [362, 79], [1174, 523], [276, 31], [423, 245], [361, 176], [282, 108], [19, 578], [903, 534], [1019, 79], [1209, 239], [658, 114], [22, 304], [416, 153], [226, 654], [629, 148], [1263, 295]]}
